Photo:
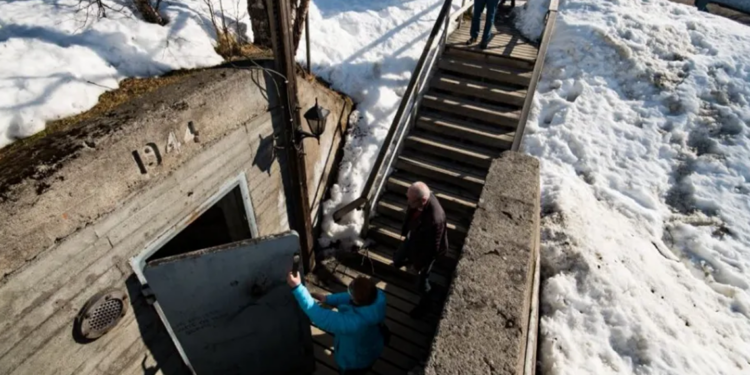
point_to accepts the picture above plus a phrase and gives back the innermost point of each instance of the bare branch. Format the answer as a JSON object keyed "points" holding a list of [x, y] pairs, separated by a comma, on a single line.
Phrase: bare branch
{"points": [[148, 12], [299, 22]]}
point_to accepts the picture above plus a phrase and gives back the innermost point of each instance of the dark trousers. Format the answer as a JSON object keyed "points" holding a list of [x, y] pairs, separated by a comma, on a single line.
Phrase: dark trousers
{"points": [[423, 287], [479, 6], [362, 371]]}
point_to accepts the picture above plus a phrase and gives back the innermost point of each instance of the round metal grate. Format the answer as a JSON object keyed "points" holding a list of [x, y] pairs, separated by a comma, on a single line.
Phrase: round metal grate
{"points": [[101, 313]]}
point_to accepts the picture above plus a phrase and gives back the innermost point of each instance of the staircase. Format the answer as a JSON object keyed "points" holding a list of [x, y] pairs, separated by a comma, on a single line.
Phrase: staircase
{"points": [[472, 103], [467, 117]]}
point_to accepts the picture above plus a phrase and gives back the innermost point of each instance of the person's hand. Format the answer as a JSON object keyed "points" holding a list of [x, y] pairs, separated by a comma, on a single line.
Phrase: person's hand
{"points": [[292, 280], [319, 296]]}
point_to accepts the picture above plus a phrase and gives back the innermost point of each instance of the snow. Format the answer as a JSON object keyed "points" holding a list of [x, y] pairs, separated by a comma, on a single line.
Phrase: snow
{"points": [[367, 50], [641, 124], [55, 60]]}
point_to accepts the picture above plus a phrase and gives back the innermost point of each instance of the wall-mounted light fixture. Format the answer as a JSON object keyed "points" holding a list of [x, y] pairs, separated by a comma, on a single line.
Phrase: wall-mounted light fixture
{"points": [[316, 119]]}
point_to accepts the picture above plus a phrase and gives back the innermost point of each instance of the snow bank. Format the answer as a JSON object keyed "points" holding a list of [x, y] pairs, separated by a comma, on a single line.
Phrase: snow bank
{"points": [[641, 122], [530, 18], [367, 50], [56, 59]]}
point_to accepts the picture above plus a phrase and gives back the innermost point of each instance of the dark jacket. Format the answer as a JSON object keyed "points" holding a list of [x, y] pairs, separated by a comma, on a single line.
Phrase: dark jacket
{"points": [[429, 236]]}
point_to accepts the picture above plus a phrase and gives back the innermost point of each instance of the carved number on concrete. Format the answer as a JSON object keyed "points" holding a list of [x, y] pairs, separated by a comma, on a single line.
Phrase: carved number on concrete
{"points": [[150, 156]]}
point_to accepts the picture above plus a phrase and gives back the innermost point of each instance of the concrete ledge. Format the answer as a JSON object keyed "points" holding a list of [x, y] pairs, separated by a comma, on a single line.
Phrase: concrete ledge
{"points": [[485, 321]]}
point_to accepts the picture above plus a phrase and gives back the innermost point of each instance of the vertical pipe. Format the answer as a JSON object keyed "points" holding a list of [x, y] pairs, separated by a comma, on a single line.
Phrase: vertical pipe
{"points": [[280, 21], [461, 16], [307, 40]]}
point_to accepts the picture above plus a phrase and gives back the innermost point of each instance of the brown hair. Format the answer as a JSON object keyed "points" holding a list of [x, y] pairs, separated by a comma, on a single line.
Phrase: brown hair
{"points": [[363, 291]]}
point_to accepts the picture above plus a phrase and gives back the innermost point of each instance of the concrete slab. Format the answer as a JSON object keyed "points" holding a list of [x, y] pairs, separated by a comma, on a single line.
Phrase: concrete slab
{"points": [[486, 316]]}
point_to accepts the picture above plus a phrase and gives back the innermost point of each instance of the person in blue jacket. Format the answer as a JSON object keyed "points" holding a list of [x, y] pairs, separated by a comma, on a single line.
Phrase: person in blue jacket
{"points": [[356, 326]]}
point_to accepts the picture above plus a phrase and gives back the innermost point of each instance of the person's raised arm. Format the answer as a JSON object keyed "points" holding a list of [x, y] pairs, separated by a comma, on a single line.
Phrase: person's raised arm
{"points": [[337, 299], [327, 320]]}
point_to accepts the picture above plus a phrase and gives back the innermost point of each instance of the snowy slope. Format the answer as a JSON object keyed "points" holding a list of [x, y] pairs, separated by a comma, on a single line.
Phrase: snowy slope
{"points": [[641, 122], [55, 60], [366, 49]]}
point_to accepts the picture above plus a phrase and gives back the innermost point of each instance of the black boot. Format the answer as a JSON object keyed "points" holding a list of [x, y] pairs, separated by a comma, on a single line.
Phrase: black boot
{"points": [[422, 309], [471, 41]]}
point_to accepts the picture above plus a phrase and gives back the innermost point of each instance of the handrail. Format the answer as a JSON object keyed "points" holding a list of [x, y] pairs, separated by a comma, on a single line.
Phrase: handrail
{"points": [[529, 366], [408, 95], [538, 67], [464, 7]]}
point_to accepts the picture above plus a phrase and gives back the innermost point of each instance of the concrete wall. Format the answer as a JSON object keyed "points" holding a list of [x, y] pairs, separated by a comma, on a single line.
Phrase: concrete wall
{"points": [[484, 325], [74, 208], [321, 157]]}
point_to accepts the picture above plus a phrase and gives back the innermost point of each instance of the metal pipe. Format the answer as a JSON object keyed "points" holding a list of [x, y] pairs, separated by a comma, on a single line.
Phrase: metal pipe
{"points": [[307, 40], [280, 25]]}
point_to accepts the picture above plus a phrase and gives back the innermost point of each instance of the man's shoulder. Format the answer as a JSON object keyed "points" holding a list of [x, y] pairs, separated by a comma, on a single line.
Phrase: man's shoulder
{"points": [[436, 209]]}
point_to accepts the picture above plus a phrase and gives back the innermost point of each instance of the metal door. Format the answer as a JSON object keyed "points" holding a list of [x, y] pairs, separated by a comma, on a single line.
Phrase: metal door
{"points": [[230, 311]]}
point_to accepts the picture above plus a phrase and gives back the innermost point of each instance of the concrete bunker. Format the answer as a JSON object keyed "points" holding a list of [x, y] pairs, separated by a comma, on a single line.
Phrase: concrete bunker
{"points": [[76, 207]]}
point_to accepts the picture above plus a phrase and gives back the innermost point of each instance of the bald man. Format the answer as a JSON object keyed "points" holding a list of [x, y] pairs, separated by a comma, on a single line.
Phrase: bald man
{"points": [[426, 237]]}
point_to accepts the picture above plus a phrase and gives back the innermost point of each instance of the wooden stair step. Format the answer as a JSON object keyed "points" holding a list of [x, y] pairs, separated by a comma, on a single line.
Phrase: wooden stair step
{"points": [[391, 312], [499, 139], [370, 263], [453, 199], [488, 57], [435, 169], [497, 73], [390, 357], [384, 234], [387, 230], [502, 94], [382, 260], [394, 206], [451, 149], [386, 282], [387, 251], [491, 114], [443, 265], [501, 44]]}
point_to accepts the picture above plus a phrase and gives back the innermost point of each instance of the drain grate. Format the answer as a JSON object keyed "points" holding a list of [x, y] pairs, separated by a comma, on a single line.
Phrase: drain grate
{"points": [[101, 313]]}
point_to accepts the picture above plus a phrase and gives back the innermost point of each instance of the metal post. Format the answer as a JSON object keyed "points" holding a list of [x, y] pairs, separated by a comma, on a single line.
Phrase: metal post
{"points": [[461, 16], [447, 23], [307, 40], [280, 25]]}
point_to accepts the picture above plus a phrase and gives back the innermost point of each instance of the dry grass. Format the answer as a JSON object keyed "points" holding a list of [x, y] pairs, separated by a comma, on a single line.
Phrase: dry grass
{"points": [[129, 89], [231, 50]]}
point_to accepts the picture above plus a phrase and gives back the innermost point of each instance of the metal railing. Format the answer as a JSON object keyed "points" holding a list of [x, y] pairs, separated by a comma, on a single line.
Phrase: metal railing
{"points": [[403, 119], [550, 19], [529, 366]]}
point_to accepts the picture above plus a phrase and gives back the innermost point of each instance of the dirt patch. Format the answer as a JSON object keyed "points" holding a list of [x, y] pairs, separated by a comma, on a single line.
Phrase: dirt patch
{"points": [[130, 88], [34, 160]]}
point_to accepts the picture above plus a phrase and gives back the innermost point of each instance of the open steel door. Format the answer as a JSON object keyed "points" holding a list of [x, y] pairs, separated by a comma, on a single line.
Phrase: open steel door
{"points": [[230, 311]]}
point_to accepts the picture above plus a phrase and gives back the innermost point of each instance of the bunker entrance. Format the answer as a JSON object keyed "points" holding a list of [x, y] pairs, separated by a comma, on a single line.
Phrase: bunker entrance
{"points": [[226, 221], [221, 291]]}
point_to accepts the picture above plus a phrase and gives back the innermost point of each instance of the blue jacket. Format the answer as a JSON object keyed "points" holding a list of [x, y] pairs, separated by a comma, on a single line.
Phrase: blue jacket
{"points": [[357, 339]]}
